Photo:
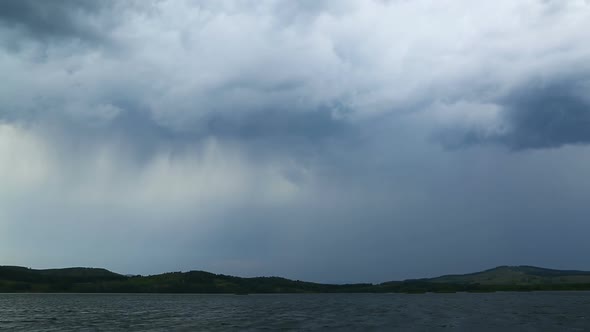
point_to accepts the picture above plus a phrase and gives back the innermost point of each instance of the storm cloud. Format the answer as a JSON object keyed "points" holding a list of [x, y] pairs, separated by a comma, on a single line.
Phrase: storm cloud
{"points": [[87, 22], [322, 140], [549, 115], [539, 114]]}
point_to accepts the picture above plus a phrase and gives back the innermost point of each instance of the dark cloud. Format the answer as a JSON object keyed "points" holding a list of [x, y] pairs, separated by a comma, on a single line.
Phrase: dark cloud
{"points": [[313, 125], [540, 114], [548, 115], [84, 21]]}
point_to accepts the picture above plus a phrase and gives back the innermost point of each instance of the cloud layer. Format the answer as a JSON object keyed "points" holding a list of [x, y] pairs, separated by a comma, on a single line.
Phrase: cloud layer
{"points": [[327, 140]]}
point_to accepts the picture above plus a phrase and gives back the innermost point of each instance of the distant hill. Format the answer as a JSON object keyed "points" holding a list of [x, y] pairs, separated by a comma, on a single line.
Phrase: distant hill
{"points": [[517, 275], [92, 280], [17, 278], [76, 273], [95, 280]]}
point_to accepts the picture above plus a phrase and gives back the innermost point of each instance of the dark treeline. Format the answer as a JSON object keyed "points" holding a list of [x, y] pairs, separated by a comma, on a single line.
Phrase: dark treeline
{"points": [[90, 280]]}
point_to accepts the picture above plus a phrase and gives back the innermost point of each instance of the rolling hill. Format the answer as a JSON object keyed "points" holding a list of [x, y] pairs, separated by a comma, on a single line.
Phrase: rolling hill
{"points": [[96, 280], [517, 275]]}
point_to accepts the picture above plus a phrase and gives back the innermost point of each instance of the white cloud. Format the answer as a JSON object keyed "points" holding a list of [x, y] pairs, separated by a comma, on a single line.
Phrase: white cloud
{"points": [[183, 60]]}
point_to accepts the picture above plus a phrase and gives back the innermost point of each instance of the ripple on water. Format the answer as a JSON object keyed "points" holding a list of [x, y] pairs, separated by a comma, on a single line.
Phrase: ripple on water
{"points": [[560, 311]]}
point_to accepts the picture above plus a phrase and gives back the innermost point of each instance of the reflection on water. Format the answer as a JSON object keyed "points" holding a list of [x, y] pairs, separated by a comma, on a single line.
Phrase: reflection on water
{"points": [[550, 311]]}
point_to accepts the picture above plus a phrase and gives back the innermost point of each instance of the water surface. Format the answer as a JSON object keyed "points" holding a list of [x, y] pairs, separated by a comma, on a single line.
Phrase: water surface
{"points": [[536, 311]]}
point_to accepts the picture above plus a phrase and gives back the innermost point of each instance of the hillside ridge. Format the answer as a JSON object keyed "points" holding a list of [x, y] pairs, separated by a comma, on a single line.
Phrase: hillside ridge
{"points": [[99, 280]]}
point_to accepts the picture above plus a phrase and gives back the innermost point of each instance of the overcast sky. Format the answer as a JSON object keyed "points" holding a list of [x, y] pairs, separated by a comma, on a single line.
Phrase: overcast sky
{"points": [[332, 141]]}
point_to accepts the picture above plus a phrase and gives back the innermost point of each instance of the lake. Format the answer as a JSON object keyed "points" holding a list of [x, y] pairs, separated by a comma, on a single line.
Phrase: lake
{"points": [[535, 311]]}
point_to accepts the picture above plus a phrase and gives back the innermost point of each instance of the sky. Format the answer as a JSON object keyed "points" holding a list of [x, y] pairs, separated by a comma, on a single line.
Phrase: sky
{"points": [[330, 141]]}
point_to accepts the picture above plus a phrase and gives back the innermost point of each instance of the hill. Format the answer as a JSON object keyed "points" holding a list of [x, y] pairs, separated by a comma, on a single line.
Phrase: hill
{"points": [[517, 275], [17, 278], [94, 280]]}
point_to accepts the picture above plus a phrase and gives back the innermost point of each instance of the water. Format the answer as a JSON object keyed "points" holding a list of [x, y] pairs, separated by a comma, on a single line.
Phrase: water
{"points": [[537, 311]]}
